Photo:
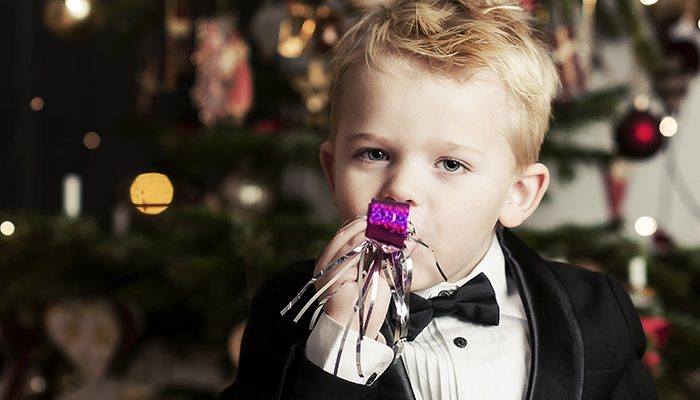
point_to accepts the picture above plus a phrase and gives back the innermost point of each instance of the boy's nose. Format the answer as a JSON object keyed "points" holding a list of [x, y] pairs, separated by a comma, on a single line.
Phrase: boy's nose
{"points": [[402, 186]]}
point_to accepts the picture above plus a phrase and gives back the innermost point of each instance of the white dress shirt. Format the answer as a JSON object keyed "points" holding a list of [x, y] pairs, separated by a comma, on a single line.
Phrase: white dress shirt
{"points": [[449, 359]]}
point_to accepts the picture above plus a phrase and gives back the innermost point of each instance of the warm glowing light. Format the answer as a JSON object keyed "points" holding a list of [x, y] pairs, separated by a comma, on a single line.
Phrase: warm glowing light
{"points": [[37, 384], [37, 103], [637, 273], [645, 226], [668, 126], [92, 140], [250, 194], [7, 228], [641, 102], [315, 103], [151, 193], [699, 24], [72, 195], [648, 2], [79, 9], [323, 12]]}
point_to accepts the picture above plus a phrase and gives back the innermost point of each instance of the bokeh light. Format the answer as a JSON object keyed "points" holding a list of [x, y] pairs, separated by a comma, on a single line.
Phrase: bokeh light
{"points": [[250, 194], [7, 228], [645, 226], [641, 102], [37, 103], [79, 9], [668, 126], [151, 193], [92, 140]]}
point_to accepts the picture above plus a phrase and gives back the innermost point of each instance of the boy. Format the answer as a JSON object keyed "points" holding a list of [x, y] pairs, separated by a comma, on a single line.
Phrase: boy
{"points": [[443, 104]]}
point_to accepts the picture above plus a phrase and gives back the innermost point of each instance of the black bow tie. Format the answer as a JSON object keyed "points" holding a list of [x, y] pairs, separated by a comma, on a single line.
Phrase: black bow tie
{"points": [[475, 301]]}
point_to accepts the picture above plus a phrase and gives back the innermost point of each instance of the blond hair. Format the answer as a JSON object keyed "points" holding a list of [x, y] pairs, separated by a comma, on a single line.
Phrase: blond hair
{"points": [[458, 39]]}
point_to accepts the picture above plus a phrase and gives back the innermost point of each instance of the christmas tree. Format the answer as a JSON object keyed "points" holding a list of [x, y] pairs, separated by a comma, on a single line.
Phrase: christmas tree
{"points": [[226, 108]]}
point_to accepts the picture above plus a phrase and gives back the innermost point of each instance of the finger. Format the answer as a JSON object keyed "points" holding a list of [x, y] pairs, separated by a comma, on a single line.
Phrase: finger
{"points": [[345, 238], [410, 248], [352, 220], [341, 245]]}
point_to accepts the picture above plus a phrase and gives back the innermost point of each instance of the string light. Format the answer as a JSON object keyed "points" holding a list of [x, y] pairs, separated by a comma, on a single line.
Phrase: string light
{"points": [[250, 194], [641, 102], [645, 226], [72, 195], [79, 9], [7, 228], [648, 2], [37, 103], [668, 126], [37, 384], [92, 140]]}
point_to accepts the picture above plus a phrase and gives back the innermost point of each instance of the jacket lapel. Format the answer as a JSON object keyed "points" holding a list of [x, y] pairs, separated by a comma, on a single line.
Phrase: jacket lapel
{"points": [[556, 369]]}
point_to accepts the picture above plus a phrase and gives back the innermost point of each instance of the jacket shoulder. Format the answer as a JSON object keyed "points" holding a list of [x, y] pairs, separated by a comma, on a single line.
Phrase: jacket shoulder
{"points": [[605, 313]]}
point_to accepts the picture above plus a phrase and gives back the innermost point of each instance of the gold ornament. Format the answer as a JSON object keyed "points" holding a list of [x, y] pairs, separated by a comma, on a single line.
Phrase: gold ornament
{"points": [[87, 332], [151, 193], [296, 30]]}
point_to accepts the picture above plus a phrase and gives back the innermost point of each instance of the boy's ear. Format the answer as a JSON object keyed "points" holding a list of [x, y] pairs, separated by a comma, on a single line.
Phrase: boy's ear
{"points": [[525, 195], [326, 156]]}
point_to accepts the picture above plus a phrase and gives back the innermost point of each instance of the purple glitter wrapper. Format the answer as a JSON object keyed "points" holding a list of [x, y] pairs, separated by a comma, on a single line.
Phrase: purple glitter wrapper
{"points": [[387, 222]]}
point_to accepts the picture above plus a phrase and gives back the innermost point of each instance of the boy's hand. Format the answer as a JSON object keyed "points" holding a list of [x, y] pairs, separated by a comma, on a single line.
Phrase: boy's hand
{"points": [[340, 306]]}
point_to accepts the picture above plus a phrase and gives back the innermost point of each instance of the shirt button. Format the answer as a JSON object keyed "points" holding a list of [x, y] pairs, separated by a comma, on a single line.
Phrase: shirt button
{"points": [[444, 293], [460, 342]]}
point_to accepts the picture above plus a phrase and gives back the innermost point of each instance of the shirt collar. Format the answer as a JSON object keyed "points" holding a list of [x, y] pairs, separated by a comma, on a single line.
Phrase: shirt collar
{"points": [[493, 265]]}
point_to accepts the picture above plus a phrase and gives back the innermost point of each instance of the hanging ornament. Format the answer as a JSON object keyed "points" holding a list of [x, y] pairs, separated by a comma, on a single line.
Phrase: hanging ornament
{"points": [[223, 87], [680, 66], [178, 29], [637, 135], [615, 186], [528, 5], [295, 30], [314, 85], [73, 18], [148, 86], [662, 243], [151, 193], [265, 28], [87, 332], [328, 28], [566, 58], [657, 331]]}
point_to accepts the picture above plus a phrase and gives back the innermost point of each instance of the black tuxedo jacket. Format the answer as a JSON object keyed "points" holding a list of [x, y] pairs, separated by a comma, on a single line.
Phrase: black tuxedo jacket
{"points": [[586, 339]]}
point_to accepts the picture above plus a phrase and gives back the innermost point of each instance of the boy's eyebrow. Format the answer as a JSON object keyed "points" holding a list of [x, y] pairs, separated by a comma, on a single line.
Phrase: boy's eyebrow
{"points": [[450, 146], [364, 136], [445, 145]]}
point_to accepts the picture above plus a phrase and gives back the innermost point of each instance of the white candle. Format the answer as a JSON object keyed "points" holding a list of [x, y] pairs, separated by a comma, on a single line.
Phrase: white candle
{"points": [[638, 273], [120, 219], [72, 188]]}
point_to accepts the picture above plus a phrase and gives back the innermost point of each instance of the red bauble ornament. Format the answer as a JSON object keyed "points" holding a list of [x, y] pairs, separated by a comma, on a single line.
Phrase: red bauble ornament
{"points": [[637, 135]]}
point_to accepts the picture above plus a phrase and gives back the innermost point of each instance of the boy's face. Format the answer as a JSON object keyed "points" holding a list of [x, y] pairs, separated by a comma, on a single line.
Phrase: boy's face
{"points": [[407, 135]]}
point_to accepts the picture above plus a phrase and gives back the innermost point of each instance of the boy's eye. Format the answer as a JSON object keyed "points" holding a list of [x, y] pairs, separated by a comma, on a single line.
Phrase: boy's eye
{"points": [[375, 155], [452, 165]]}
